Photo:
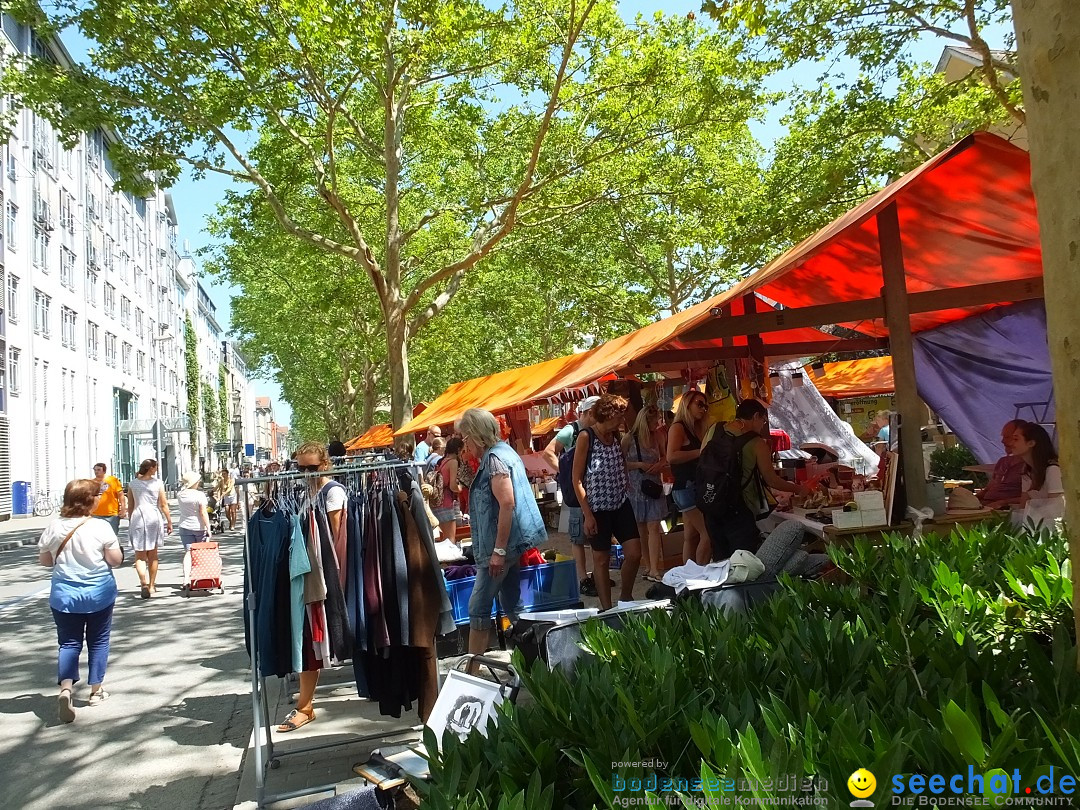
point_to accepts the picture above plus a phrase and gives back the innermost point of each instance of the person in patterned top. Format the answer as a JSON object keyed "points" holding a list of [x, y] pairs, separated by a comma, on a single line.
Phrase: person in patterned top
{"points": [[601, 483]]}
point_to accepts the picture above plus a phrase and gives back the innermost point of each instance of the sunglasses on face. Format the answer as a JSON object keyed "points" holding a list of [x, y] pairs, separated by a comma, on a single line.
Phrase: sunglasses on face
{"points": [[309, 467]]}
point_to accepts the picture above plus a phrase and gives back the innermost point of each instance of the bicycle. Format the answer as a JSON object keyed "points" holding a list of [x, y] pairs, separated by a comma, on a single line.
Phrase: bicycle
{"points": [[45, 505]]}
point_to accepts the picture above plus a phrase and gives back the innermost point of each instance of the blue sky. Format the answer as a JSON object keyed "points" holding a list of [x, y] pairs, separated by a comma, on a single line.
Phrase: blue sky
{"points": [[196, 200]]}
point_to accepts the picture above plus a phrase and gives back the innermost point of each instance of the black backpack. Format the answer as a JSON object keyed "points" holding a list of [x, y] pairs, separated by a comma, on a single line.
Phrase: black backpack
{"points": [[566, 468], [719, 485]]}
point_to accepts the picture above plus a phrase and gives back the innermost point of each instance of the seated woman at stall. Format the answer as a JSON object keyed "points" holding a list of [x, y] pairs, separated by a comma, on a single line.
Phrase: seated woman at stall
{"points": [[1042, 496], [1006, 480]]}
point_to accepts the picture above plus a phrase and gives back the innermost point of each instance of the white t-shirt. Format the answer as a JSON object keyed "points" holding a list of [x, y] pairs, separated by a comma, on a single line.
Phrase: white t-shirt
{"points": [[189, 501], [335, 499], [83, 558]]}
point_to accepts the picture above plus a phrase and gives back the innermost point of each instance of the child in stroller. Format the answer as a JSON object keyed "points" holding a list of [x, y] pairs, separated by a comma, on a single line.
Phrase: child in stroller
{"points": [[217, 514]]}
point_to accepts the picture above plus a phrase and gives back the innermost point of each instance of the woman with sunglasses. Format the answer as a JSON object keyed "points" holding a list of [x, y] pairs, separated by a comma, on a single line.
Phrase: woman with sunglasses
{"points": [[331, 501], [683, 452]]}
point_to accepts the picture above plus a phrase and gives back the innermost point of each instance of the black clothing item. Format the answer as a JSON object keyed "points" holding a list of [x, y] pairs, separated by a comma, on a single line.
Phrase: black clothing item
{"points": [[267, 574], [732, 531], [618, 523], [416, 506], [687, 471]]}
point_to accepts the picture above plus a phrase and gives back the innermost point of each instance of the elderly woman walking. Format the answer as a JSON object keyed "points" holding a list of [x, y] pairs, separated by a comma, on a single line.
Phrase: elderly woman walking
{"points": [[505, 519], [82, 553]]}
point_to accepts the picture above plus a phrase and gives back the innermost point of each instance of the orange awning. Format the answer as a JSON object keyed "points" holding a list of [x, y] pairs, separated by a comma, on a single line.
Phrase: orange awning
{"points": [[552, 378], [868, 377], [547, 425], [377, 436]]}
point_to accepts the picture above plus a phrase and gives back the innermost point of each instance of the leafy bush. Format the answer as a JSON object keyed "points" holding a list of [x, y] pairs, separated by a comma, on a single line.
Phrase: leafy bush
{"points": [[952, 652], [949, 462]]}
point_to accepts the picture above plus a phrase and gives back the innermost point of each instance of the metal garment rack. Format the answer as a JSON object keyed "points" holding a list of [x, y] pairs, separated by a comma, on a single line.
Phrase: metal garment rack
{"points": [[260, 710]]}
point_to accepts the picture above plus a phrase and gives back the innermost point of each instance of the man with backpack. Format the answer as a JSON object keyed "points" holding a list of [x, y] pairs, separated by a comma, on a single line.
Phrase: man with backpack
{"points": [[559, 455], [735, 474]]}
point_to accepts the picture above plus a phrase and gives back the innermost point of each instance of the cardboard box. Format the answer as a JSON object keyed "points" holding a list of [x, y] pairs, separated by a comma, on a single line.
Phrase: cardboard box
{"points": [[846, 520], [874, 517], [672, 545], [871, 499]]}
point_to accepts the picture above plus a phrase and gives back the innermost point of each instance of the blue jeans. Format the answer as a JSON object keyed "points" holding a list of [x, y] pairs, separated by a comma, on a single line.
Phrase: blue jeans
{"points": [[112, 520], [507, 586], [71, 628]]}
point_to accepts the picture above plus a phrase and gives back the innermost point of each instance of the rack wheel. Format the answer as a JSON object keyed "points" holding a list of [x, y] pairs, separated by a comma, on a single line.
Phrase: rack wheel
{"points": [[275, 764]]}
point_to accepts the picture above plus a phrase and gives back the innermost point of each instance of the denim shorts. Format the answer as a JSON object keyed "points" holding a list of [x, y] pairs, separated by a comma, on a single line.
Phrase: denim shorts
{"points": [[508, 588], [684, 498], [189, 536], [577, 525], [447, 515]]}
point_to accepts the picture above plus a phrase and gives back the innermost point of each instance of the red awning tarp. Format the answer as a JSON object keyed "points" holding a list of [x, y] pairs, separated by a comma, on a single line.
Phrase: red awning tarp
{"points": [[967, 217], [867, 377]]}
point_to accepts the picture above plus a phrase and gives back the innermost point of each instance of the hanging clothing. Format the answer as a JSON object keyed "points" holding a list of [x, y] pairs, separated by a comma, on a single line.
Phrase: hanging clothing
{"points": [[299, 565], [269, 537]]}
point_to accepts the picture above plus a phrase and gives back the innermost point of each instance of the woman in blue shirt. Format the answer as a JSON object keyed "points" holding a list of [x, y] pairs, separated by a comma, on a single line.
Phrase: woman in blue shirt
{"points": [[505, 522], [82, 553]]}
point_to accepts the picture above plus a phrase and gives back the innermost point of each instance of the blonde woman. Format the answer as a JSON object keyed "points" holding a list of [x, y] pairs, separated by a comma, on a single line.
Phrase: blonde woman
{"points": [[645, 455], [146, 528], [683, 452]]}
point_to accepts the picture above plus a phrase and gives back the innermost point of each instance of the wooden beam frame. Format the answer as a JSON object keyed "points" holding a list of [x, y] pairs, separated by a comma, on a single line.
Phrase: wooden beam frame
{"points": [[868, 309], [681, 358]]}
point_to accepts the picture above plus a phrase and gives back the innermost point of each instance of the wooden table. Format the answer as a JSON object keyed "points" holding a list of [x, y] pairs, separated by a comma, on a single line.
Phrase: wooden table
{"points": [[822, 534]]}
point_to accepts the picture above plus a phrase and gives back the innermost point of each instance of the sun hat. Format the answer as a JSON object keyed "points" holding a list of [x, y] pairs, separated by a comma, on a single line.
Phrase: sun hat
{"points": [[190, 479], [587, 404]]}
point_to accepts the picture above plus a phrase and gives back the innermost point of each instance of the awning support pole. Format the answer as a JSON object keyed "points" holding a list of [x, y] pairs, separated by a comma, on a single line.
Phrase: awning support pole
{"points": [[898, 320]]}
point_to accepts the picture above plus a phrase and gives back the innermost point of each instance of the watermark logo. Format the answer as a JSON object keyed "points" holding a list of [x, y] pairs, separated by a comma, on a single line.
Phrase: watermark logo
{"points": [[862, 783]]}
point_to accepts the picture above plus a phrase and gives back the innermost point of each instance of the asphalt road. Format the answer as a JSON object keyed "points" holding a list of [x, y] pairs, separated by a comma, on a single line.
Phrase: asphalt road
{"points": [[174, 731]]}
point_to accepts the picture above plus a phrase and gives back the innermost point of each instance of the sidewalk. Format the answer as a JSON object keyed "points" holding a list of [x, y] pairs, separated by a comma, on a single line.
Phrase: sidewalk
{"points": [[174, 731]]}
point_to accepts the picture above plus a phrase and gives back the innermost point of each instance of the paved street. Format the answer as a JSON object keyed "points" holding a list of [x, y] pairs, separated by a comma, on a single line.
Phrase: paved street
{"points": [[174, 732]]}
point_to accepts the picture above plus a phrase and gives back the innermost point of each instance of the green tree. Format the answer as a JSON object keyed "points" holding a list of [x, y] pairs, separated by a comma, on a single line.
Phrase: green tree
{"points": [[451, 121], [191, 368], [223, 403], [209, 405]]}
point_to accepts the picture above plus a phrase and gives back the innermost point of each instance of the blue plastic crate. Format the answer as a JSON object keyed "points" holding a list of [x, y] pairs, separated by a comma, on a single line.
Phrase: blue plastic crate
{"points": [[543, 587], [615, 561]]}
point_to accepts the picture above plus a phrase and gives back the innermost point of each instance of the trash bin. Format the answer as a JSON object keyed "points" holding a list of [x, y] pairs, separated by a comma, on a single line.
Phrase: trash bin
{"points": [[22, 502]]}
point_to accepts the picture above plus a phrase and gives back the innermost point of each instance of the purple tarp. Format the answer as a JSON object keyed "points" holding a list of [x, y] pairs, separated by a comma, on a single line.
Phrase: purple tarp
{"points": [[980, 372]]}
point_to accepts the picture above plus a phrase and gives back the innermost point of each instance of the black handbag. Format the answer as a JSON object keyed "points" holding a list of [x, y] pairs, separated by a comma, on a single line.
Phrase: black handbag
{"points": [[649, 488]]}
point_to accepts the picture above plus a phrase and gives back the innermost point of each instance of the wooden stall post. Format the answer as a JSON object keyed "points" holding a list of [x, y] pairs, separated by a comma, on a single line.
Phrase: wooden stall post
{"points": [[898, 320]]}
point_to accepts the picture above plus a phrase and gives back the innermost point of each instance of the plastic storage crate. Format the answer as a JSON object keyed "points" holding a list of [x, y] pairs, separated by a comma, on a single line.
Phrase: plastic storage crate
{"points": [[543, 587], [615, 561]]}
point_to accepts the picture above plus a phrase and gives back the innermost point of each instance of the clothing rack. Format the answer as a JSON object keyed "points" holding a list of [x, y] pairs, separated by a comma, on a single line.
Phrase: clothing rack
{"points": [[260, 710]]}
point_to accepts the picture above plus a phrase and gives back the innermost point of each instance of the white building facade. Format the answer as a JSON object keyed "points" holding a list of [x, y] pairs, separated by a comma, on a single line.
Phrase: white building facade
{"points": [[95, 294]]}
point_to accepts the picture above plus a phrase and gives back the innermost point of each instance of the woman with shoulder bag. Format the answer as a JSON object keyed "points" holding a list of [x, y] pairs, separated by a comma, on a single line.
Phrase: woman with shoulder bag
{"points": [[601, 481], [644, 462], [446, 474], [82, 553]]}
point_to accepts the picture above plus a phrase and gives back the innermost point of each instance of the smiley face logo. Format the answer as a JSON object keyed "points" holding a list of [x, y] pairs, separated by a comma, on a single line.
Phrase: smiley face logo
{"points": [[861, 783]]}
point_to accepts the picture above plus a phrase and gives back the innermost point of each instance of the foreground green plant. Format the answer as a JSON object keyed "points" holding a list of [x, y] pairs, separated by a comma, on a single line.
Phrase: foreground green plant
{"points": [[949, 653]]}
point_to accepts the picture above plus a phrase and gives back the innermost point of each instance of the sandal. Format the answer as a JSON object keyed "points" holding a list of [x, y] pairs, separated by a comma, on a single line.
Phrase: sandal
{"points": [[98, 697], [292, 723], [144, 591], [64, 710]]}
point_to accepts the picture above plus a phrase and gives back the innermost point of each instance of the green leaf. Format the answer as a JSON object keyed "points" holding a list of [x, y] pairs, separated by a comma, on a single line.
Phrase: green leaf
{"points": [[965, 732]]}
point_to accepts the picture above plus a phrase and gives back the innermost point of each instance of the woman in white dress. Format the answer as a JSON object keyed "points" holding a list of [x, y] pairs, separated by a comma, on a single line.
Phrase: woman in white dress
{"points": [[147, 505]]}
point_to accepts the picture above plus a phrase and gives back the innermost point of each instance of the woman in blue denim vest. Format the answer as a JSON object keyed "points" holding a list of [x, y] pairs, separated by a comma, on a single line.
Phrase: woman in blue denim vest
{"points": [[505, 522]]}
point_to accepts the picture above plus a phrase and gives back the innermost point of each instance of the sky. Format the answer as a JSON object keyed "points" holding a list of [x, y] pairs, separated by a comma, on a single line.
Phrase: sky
{"points": [[197, 200]]}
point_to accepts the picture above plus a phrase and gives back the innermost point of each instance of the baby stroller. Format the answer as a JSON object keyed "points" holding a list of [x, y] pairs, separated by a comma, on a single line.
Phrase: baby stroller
{"points": [[218, 521]]}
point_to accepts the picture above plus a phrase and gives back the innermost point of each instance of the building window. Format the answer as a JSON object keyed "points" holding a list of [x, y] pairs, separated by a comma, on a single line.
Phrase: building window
{"points": [[41, 248], [126, 351], [110, 300], [91, 287], [92, 211], [140, 365], [125, 311], [110, 350], [139, 323], [67, 268], [67, 328], [13, 371], [92, 342], [13, 298], [12, 224], [42, 302]]}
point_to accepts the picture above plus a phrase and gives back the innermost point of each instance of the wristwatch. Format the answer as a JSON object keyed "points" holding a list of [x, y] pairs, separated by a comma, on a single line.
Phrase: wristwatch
{"points": [[501, 552]]}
